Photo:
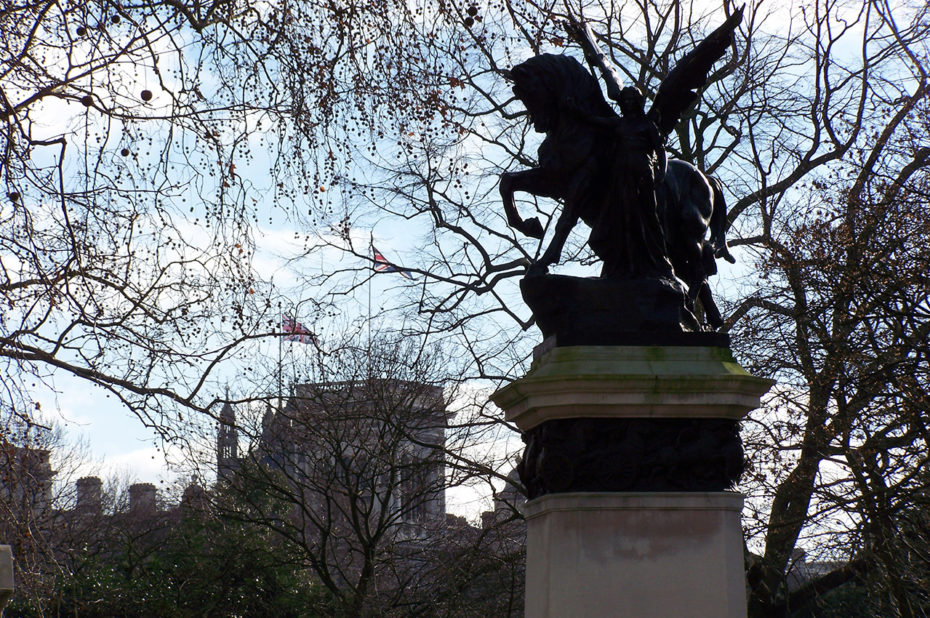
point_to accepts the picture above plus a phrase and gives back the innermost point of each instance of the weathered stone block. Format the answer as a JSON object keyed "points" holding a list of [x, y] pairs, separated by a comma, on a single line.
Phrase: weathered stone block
{"points": [[6, 576]]}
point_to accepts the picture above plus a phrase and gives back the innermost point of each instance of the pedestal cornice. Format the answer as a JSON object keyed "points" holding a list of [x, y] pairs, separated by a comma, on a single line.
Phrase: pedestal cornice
{"points": [[631, 382]]}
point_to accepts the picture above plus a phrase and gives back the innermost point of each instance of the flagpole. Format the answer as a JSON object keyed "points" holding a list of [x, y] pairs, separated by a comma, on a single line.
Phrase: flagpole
{"points": [[280, 346], [369, 313], [370, 281]]}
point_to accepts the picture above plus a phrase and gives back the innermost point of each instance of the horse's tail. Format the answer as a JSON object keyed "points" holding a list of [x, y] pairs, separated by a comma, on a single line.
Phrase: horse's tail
{"points": [[719, 223]]}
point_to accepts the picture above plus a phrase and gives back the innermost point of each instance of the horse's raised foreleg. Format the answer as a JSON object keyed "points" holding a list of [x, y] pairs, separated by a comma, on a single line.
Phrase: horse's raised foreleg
{"points": [[536, 181]]}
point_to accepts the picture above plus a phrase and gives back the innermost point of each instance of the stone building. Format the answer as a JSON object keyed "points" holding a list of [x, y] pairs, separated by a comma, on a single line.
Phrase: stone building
{"points": [[384, 437], [26, 478]]}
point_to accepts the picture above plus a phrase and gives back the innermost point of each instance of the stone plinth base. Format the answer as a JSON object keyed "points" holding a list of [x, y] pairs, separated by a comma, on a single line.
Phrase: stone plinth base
{"points": [[635, 554]]}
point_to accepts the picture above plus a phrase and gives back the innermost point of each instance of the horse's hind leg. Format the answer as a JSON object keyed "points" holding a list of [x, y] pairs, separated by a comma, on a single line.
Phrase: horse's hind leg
{"points": [[719, 222], [694, 266], [711, 312]]}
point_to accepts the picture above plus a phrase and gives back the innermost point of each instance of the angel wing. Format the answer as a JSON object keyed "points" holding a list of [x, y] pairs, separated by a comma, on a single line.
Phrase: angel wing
{"points": [[677, 91]]}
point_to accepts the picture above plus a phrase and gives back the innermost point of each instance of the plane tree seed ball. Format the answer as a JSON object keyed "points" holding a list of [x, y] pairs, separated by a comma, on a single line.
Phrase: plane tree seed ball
{"points": [[146, 95]]}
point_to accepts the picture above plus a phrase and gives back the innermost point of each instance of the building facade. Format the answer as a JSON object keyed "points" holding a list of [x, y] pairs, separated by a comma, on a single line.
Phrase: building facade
{"points": [[372, 448]]}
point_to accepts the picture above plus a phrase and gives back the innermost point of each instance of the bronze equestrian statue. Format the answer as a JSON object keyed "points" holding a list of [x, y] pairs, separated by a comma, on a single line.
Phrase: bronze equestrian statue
{"points": [[649, 215]]}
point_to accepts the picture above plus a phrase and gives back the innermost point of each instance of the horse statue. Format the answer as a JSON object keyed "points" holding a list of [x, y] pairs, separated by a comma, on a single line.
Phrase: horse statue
{"points": [[585, 161], [561, 96]]}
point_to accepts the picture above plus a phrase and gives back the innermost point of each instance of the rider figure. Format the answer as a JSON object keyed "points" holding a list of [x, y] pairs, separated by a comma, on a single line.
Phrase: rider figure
{"points": [[628, 235]]}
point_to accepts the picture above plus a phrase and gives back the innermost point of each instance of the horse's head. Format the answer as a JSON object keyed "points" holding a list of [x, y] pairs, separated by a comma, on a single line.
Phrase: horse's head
{"points": [[545, 82]]}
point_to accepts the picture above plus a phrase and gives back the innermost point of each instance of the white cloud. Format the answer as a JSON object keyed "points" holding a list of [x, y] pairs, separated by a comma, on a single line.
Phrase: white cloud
{"points": [[144, 465], [468, 502]]}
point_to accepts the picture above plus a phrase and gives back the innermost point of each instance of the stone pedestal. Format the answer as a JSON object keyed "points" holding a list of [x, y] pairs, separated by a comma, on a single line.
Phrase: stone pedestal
{"points": [[630, 451], [6, 576]]}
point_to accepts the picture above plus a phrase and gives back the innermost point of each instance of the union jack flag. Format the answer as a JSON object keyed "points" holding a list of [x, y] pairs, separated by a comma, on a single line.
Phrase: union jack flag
{"points": [[297, 331], [383, 266]]}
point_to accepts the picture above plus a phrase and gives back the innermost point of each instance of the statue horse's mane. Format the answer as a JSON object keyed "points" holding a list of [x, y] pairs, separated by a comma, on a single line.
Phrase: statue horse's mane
{"points": [[552, 77]]}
